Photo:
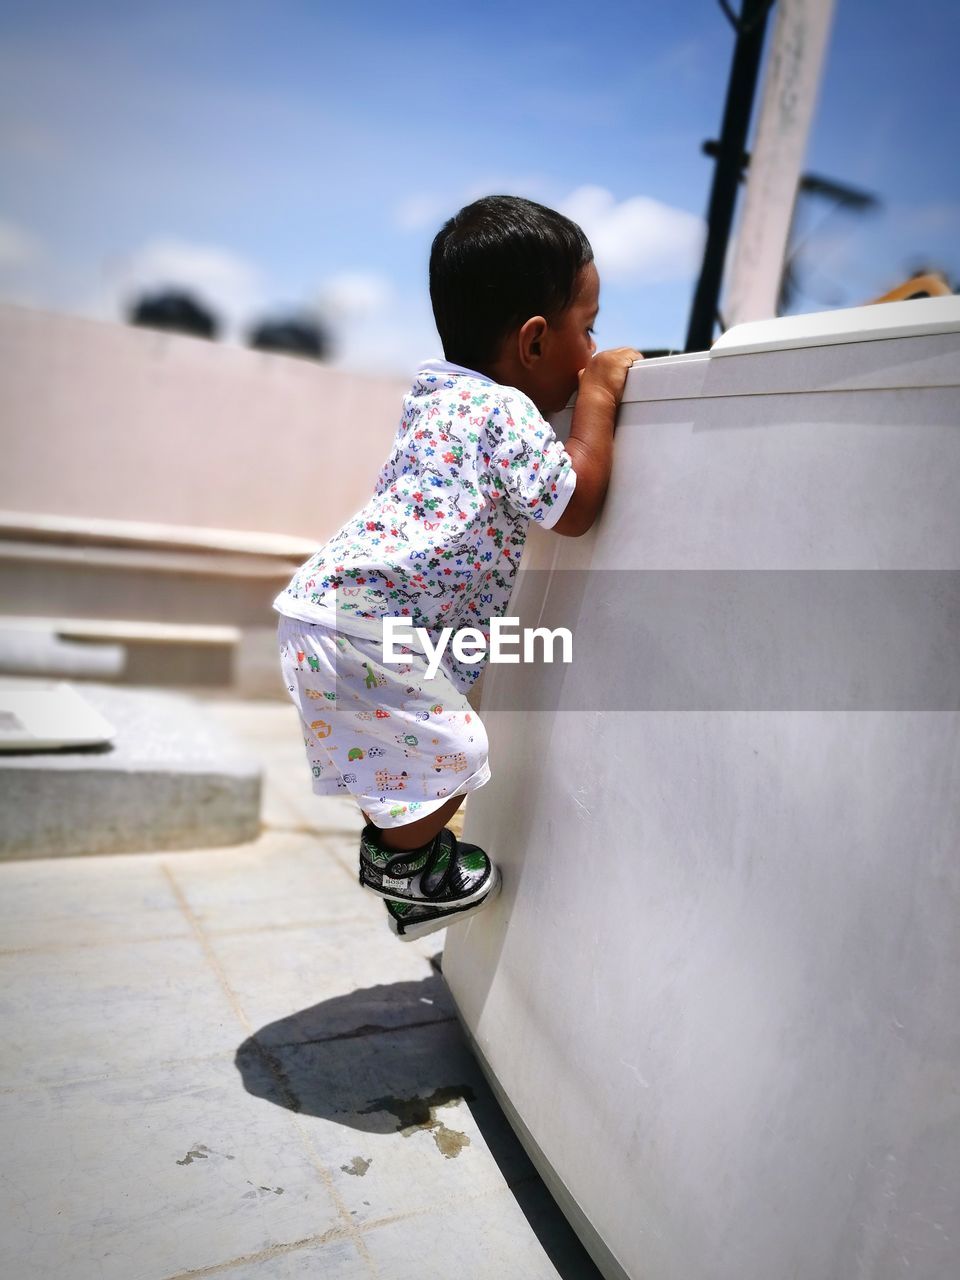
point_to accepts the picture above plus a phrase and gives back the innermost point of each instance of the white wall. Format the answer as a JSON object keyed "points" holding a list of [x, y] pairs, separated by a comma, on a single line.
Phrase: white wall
{"points": [[119, 423], [719, 987]]}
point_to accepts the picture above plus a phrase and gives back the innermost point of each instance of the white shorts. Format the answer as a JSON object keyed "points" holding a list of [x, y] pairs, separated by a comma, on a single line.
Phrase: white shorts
{"points": [[401, 744]]}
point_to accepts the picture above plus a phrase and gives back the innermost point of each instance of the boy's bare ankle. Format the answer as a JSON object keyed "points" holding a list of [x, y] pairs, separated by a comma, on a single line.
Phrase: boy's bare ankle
{"points": [[414, 835], [403, 839]]}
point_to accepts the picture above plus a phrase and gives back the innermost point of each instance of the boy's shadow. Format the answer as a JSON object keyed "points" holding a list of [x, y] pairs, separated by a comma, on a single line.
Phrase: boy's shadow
{"points": [[393, 1059]]}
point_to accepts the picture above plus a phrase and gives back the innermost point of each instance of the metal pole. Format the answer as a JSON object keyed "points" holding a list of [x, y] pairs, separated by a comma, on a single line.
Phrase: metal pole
{"points": [[723, 195]]}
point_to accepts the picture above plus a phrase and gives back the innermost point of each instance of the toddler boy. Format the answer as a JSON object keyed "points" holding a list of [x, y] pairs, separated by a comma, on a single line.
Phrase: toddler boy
{"points": [[515, 296]]}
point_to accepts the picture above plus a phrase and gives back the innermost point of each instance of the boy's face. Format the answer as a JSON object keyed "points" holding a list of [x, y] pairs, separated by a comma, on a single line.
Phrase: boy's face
{"points": [[568, 345]]}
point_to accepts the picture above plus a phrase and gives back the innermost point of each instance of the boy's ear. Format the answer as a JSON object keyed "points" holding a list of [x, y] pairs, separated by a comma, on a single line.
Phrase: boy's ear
{"points": [[530, 340]]}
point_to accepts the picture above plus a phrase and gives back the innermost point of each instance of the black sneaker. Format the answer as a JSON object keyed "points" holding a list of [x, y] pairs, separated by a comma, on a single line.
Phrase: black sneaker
{"points": [[442, 874], [409, 920]]}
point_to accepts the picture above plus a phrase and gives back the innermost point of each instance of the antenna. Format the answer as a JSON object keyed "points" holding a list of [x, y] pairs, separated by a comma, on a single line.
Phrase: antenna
{"points": [[741, 88]]}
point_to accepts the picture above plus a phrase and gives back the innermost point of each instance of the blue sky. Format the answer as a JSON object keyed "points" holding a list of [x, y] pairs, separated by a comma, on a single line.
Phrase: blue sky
{"points": [[281, 156]]}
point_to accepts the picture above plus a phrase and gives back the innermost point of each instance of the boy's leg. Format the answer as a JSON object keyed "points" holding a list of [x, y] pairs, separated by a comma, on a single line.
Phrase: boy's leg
{"points": [[413, 835], [428, 877], [424, 874]]}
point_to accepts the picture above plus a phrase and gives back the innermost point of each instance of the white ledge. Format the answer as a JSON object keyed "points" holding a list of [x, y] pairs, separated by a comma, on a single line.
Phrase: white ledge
{"points": [[41, 527], [853, 324]]}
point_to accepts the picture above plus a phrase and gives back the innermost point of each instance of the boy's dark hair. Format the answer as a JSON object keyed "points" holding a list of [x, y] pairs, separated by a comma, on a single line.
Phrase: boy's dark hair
{"points": [[495, 264]]}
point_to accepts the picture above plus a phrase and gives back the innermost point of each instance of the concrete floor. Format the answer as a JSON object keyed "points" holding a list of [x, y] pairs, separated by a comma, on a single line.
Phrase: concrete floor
{"points": [[221, 1062]]}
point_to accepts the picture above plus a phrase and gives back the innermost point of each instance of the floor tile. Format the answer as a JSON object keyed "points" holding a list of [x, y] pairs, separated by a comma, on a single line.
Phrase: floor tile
{"points": [[300, 985], [285, 878], [153, 1175], [114, 1008], [479, 1239], [65, 901], [333, 1260]]}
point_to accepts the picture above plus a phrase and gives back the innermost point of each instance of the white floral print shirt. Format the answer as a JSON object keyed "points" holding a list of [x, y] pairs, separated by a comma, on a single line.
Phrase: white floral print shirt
{"points": [[440, 541]]}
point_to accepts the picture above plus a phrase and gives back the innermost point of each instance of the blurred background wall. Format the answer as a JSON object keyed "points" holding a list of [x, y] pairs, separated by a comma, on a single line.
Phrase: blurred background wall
{"points": [[118, 423], [158, 490]]}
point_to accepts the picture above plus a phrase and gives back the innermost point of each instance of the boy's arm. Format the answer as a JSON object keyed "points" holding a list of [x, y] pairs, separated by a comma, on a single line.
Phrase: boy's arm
{"points": [[590, 443]]}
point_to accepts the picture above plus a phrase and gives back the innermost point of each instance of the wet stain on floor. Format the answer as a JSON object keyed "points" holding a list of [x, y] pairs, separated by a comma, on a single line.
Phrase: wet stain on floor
{"points": [[199, 1152], [419, 1114], [450, 1142], [357, 1166], [258, 1192]]}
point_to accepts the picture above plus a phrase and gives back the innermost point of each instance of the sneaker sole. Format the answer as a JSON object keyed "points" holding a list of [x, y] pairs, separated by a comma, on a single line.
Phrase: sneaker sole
{"points": [[451, 915]]}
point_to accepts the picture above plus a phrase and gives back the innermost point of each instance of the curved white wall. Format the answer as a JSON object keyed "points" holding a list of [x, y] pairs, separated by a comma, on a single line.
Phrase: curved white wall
{"points": [[718, 992]]}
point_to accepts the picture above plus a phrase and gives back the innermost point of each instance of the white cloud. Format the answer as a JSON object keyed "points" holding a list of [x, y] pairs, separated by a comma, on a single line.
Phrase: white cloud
{"points": [[392, 347], [374, 327], [431, 210], [227, 283], [354, 295], [530, 185], [18, 247], [639, 239], [420, 211]]}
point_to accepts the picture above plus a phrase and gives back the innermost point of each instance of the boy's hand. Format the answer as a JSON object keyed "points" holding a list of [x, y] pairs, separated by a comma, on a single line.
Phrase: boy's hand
{"points": [[606, 374], [590, 442]]}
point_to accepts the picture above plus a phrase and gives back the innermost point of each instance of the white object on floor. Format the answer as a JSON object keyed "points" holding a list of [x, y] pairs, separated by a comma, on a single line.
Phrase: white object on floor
{"points": [[53, 716]]}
